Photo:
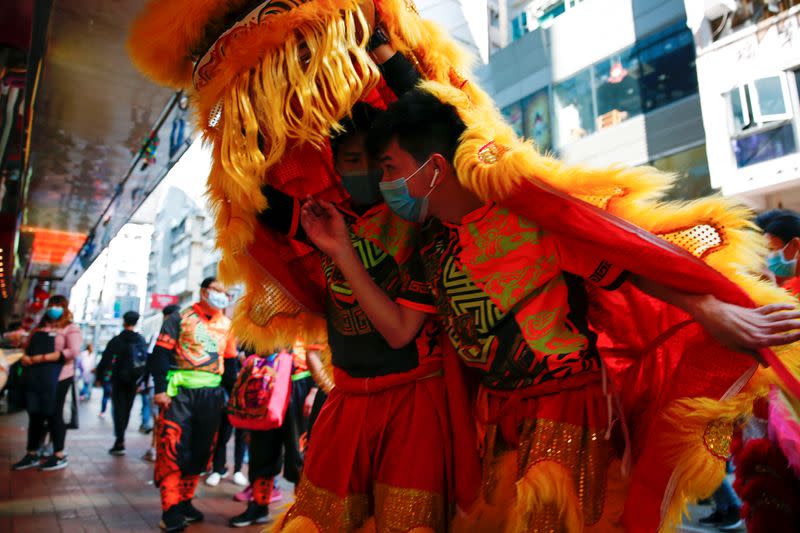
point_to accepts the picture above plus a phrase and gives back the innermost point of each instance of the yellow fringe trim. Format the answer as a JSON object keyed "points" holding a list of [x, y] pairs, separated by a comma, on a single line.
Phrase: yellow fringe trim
{"points": [[691, 432], [546, 501]]}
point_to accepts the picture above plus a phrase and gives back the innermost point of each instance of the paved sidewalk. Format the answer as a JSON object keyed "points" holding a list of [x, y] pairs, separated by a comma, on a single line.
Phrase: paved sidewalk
{"points": [[97, 492]]}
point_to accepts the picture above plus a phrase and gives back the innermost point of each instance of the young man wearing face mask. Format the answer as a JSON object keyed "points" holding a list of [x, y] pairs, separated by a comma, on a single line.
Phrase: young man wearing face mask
{"points": [[515, 306], [194, 354], [782, 229], [388, 385]]}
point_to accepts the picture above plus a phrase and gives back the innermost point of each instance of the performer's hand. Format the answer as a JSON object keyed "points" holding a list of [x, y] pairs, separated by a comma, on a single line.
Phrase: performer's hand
{"points": [[325, 226], [26, 360], [746, 330], [162, 400], [309, 403]]}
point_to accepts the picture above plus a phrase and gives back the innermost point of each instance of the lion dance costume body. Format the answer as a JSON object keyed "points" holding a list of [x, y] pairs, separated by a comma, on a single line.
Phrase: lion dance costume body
{"points": [[272, 79]]}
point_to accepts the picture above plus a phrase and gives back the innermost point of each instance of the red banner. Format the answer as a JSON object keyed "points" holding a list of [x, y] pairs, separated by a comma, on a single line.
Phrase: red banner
{"points": [[160, 301]]}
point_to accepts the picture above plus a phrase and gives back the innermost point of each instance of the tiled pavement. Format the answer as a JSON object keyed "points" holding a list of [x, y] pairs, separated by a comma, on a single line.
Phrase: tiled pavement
{"points": [[99, 493], [96, 492]]}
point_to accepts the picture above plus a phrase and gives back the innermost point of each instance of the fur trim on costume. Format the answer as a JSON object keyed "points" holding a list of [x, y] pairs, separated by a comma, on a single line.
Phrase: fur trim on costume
{"points": [[163, 35]]}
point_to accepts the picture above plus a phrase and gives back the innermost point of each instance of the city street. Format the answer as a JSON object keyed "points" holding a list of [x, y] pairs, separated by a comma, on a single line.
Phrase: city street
{"points": [[96, 492]]}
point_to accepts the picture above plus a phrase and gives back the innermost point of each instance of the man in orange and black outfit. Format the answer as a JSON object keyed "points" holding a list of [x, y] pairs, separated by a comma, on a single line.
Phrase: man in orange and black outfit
{"points": [[194, 353]]}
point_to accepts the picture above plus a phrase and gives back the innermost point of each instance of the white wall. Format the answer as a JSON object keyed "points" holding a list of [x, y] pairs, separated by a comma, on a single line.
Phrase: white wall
{"points": [[734, 60]]}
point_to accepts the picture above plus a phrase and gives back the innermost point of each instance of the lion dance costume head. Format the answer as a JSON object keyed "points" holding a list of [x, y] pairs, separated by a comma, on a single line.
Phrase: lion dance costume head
{"points": [[270, 81]]}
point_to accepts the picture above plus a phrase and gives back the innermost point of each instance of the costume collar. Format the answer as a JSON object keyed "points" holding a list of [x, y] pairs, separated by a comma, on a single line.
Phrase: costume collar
{"points": [[205, 311], [473, 216]]}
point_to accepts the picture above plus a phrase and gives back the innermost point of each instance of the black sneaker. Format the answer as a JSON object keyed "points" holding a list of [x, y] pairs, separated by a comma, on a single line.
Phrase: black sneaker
{"points": [[118, 449], [29, 461], [713, 519], [53, 463], [190, 512], [172, 519], [731, 521], [255, 514]]}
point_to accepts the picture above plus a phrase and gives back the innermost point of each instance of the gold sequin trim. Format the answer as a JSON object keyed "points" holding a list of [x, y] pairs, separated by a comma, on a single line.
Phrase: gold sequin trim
{"points": [[698, 240], [329, 512], [399, 510], [586, 454], [717, 438], [269, 302], [492, 152], [601, 199]]}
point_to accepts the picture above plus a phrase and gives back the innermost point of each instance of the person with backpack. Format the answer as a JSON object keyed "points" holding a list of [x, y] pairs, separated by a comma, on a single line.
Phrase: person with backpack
{"points": [[126, 357]]}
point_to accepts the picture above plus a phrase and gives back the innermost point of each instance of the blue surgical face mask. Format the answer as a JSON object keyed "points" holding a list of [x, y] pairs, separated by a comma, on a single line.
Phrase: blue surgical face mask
{"points": [[396, 194], [780, 266], [363, 187], [55, 312], [218, 300]]}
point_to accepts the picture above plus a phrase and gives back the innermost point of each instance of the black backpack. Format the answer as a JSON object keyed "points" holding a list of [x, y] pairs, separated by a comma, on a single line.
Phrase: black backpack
{"points": [[139, 358], [132, 369]]}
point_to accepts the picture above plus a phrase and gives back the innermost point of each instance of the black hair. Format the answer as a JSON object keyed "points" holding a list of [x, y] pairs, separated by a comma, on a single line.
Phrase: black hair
{"points": [[168, 310], [763, 220], [362, 115], [785, 226], [131, 318], [207, 282], [422, 126]]}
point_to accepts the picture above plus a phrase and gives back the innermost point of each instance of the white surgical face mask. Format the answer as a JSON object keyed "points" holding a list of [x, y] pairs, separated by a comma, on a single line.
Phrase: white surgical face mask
{"points": [[217, 300]]}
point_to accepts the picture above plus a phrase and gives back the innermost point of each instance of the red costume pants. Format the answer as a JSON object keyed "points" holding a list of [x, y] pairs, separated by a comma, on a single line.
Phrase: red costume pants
{"points": [[379, 450]]}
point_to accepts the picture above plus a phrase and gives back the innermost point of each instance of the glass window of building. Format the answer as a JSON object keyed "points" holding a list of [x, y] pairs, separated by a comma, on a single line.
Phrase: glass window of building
{"points": [[574, 108], [770, 97], [667, 68], [536, 115], [691, 167], [513, 115], [761, 120], [494, 17], [617, 85], [764, 144]]}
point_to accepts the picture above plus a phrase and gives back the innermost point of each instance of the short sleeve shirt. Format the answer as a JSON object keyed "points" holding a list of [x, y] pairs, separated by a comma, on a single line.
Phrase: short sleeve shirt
{"points": [[513, 298], [198, 340]]}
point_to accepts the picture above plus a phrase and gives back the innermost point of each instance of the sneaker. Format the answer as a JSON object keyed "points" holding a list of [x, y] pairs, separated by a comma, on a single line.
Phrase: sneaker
{"points": [[240, 479], [54, 463], [731, 521], [244, 496], [190, 512], [255, 514], [150, 455], [118, 449], [275, 495], [145, 430], [29, 461], [172, 519], [214, 478], [735, 526]]}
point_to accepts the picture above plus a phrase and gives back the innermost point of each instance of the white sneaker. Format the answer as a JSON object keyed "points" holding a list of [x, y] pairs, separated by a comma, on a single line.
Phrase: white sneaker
{"points": [[240, 479], [213, 479]]}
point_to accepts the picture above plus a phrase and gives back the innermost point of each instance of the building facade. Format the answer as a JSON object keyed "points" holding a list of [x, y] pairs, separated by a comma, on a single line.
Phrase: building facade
{"points": [[604, 82], [114, 284], [181, 256], [748, 67]]}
